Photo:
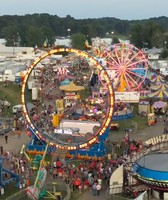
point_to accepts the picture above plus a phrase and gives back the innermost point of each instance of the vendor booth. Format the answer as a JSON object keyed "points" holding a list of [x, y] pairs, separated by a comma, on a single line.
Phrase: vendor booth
{"points": [[143, 108]]}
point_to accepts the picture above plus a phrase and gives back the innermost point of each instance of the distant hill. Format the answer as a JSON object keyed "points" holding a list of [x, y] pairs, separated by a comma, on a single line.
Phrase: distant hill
{"points": [[29, 30], [162, 21]]}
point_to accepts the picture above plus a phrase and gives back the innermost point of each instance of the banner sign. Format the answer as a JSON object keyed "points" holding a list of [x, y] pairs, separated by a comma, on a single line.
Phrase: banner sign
{"points": [[127, 97], [157, 139]]}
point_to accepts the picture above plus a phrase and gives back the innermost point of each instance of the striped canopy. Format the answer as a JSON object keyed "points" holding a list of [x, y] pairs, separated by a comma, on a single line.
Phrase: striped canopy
{"points": [[71, 87], [162, 94], [157, 80], [160, 87]]}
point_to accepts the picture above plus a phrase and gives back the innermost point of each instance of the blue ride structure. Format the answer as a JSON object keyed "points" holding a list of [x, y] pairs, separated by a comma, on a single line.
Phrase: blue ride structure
{"points": [[7, 176], [97, 151]]}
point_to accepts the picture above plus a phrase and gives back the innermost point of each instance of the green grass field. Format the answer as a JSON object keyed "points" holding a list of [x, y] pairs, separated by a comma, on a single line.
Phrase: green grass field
{"points": [[136, 123], [12, 93]]}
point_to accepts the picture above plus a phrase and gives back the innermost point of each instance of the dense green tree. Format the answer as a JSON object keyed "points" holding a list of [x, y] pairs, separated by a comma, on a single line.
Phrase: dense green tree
{"points": [[85, 29], [136, 36], [122, 27], [147, 35], [78, 41], [164, 53], [153, 35], [37, 27], [11, 35], [115, 40], [49, 35], [34, 36]]}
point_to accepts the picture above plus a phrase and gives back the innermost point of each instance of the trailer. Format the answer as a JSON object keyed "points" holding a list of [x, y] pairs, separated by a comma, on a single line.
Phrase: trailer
{"points": [[83, 126], [34, 93]]}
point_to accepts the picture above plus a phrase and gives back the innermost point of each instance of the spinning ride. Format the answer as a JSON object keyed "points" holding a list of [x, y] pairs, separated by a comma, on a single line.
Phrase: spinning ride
{"points": [[152, 170], [127, 65], [55, 137]]}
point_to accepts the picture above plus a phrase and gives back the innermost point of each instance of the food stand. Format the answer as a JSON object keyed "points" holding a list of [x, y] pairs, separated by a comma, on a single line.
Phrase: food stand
{"points": [[71, 93]]}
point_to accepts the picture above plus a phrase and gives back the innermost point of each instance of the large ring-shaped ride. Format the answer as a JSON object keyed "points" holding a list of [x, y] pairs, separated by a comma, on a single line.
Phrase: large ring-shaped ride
{"points": [[110, 100], [128, 66]]}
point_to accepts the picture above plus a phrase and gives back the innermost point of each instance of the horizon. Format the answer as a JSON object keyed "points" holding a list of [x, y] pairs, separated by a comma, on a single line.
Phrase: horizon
{"points": [[22, 15], [86, 9]]}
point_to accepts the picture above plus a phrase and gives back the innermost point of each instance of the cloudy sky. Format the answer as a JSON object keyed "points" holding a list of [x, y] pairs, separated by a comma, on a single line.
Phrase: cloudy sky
{"points": [[80, 9]]}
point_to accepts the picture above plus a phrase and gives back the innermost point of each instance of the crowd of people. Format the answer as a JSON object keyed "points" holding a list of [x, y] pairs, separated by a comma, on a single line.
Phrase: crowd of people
{"points": [[81, 175], [85, 175], [16, 164]]}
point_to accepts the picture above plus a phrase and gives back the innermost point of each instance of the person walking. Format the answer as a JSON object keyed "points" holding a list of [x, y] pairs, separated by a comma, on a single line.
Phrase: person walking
{"points": [[19, 133], [1, 150], [98, 188], [6, 139], [94, 189]]}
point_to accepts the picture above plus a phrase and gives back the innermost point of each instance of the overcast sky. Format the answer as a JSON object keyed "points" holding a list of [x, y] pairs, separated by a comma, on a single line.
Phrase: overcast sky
{"points": [[80, 9]]}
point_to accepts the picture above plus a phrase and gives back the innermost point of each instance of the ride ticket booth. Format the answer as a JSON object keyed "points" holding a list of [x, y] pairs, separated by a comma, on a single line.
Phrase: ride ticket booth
{"points": [[151, 119]]}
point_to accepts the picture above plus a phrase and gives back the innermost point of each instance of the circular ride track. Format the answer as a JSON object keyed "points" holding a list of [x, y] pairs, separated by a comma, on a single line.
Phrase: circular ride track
{"points": [[46, 76], [152, 170], [127, 65]]}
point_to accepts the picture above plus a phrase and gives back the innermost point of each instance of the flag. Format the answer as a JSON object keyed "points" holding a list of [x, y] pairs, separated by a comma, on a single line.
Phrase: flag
{"points": [[45, 43], [88, 42], [98, 52], [35, 48]]}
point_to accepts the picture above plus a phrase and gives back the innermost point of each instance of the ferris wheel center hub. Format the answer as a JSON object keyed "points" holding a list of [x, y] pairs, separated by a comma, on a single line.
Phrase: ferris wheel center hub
{"points": [[123, 67]]}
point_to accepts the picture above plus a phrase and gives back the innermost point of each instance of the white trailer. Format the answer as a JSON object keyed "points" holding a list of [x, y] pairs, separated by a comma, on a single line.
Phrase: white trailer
{"points": [[8, 77], [34, 93], [83, 126]]}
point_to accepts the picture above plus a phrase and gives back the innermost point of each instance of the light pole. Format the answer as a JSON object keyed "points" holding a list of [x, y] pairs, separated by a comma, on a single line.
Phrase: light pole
{"points": [[14, 47], [165, 44], [112, 33], [16, 41], [69, 32]]}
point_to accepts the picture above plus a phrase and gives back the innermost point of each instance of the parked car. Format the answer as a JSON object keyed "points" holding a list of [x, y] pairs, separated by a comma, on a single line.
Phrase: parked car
{"points": [[17, 108]]}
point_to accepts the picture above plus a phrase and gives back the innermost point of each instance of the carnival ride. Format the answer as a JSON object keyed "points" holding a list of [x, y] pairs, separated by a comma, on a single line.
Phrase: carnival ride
{"points": [[146, 167], [152, 170], [59, 141], [38, 164], [127, 66], [37, 191], [90, 146], [150, 165], [10, 176]]}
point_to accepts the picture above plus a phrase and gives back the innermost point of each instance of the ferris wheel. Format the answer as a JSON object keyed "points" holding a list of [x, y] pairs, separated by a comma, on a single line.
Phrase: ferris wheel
{"points": [[41, 122], [127, 66]]}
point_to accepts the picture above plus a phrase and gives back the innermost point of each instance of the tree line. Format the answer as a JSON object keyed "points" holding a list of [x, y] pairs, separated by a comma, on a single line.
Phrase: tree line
{"points": [[43, 30]]}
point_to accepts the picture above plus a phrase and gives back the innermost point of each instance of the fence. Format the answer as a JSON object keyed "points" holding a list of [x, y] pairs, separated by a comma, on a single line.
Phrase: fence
{"points": [[117, 197]]}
